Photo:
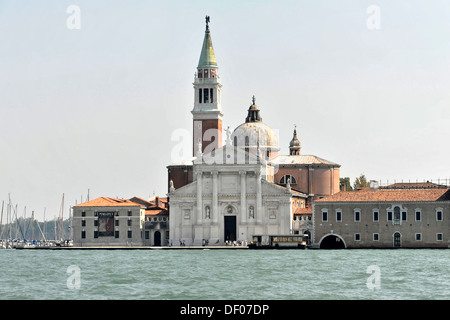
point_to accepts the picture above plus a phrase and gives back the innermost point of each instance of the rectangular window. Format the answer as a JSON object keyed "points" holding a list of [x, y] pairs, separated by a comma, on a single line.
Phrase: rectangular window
{"points": [[324, 216], [205, 95], [83, 223], [83, 234], [376, 216], [389, 215], [357, 216], [116, 234], [439, 236], [147, 234], [83, 214], [418, 216], [95, 223], [439, 215], [129, 234], [95, 234], [418, 237], [404, 216], [338, 216], [200, 100], [129, 223], [129, 213], [357, 236], [116, 222], [211, 95], [376, 236]]}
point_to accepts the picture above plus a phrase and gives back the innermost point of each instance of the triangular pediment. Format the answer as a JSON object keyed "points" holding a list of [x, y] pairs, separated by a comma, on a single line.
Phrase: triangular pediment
{"points": [[190, 188]]}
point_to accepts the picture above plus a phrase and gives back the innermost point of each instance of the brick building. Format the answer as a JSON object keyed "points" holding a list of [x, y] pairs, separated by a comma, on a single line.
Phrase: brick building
{"points": [[418, 217]]}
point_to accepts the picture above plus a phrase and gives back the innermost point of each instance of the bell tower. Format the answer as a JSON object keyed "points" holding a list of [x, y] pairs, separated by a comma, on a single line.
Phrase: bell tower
{"points": [[207, 112], [294, 145]]}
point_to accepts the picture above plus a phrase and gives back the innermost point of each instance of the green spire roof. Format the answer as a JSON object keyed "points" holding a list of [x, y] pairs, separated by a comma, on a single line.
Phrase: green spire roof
{"points": [[207, 57]]}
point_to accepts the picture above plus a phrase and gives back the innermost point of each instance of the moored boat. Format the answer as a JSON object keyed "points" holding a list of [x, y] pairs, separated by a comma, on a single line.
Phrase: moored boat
{"points": [[287, 241]]}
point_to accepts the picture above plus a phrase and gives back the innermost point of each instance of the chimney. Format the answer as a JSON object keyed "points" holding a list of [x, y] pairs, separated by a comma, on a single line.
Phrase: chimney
{"points": [[157, 201]]}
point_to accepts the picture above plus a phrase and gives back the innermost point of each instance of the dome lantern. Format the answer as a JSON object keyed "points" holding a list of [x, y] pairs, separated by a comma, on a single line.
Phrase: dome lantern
{"points": [[254, 134]]}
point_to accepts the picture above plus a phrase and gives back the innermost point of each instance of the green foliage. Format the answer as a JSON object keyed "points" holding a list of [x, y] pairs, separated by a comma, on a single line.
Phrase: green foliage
{"points": [[361, 182], [346, 183]]}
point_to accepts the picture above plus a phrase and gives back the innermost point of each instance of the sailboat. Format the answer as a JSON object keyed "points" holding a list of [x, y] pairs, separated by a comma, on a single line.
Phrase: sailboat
{"points": [[2, 245]]}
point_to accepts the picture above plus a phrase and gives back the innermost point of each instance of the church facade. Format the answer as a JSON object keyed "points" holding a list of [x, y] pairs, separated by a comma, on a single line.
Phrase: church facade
{"points": [[231, 199], [234, 191]]}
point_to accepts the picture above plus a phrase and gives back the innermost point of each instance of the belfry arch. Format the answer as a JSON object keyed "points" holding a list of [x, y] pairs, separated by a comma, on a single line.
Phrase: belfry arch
{"points": [[332, 241]]}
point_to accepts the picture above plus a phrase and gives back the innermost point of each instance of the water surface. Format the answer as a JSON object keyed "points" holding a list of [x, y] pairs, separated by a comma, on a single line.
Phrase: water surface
{"points": [[224, 274]]}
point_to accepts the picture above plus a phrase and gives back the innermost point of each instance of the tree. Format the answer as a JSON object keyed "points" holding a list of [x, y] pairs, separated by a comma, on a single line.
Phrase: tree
{"points": [[361, 182], [345, 184]]}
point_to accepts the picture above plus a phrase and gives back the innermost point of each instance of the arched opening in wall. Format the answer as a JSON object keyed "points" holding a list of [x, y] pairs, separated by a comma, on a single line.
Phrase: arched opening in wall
{"points": [[397, 239], [332, 242]]}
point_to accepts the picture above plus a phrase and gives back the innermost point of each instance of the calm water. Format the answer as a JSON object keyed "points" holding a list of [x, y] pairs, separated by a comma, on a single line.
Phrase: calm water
{"points": [[224, 274]]}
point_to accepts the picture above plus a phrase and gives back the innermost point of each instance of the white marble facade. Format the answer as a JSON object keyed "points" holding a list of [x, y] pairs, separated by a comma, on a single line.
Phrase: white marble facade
{"points": [[230, 198]]}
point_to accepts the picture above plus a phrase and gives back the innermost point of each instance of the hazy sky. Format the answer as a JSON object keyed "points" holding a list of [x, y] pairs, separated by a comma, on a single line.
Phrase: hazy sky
{"points": [[95, 107]]}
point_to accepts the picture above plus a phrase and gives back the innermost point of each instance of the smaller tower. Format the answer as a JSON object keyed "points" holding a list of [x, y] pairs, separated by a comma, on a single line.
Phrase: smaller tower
{"points": [[294, 145]]}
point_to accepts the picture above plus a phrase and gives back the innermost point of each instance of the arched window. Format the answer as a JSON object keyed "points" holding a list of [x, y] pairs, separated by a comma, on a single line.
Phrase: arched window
{"points": [[396, 215], [284, 179]]}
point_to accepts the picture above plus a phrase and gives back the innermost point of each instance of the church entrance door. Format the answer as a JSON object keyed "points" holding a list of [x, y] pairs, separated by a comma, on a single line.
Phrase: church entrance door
{"points": [[157, 239], [230, 228]]}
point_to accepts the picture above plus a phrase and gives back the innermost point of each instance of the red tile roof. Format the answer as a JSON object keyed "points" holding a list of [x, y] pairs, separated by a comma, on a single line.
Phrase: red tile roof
{"points": [[109, 202], [155, 211], [389, 195], [307, 210], [413, 185]]}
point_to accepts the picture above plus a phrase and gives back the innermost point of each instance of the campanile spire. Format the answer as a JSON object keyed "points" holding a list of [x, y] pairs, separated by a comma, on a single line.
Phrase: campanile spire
{"points": [[207, 112]]}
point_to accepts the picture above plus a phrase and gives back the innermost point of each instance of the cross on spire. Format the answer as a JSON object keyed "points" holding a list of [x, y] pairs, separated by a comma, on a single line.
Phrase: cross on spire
{"points": [[207, 22]]}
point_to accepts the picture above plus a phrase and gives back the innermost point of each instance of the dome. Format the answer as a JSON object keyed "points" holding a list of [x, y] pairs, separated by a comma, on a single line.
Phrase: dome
{"points": [[249, 134], [254, 132]]}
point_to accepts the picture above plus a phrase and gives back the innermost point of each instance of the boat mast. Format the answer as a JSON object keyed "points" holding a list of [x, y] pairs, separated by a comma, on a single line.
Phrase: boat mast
{"points": [[9, 219], [32, 221], [1, 221], [62, 218], [45, 225], [16, 223]]}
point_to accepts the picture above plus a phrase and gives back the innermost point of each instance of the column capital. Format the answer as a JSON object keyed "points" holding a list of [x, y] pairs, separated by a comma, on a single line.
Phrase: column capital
{"points": [[242, 172]]}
